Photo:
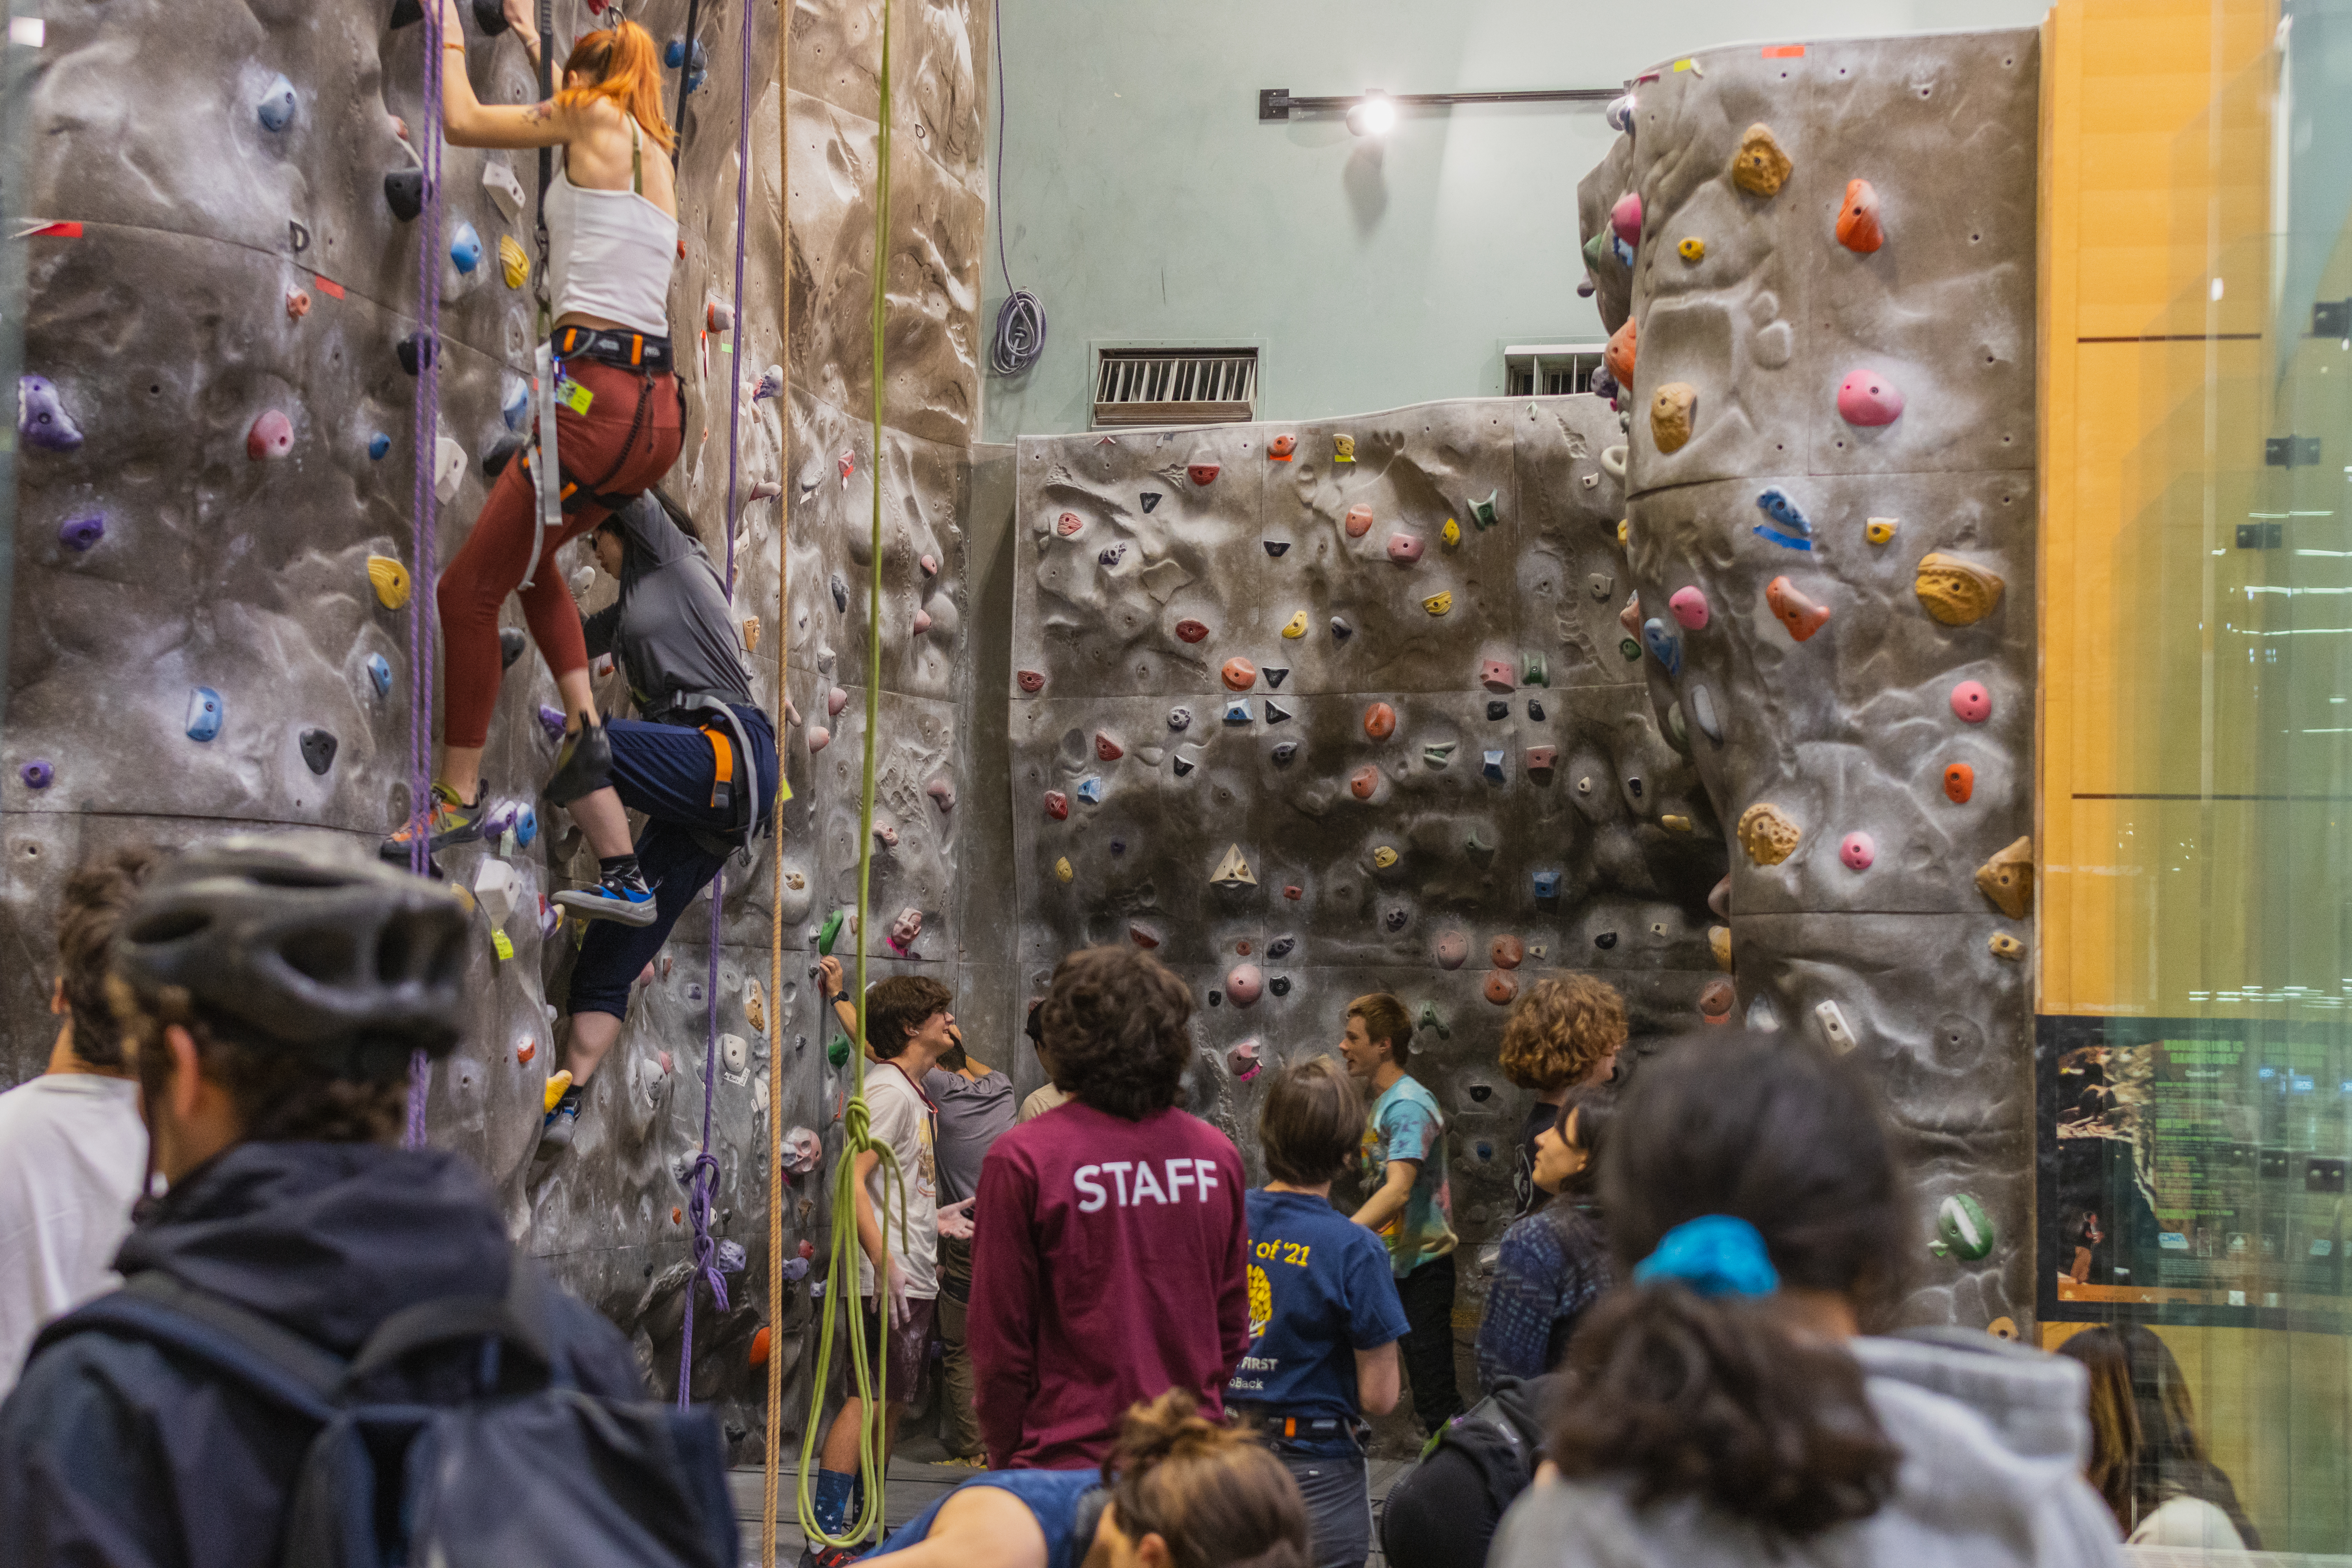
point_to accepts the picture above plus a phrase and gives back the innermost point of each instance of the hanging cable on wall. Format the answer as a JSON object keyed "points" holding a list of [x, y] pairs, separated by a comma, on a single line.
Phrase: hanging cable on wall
{"points": [[1021, 321]]}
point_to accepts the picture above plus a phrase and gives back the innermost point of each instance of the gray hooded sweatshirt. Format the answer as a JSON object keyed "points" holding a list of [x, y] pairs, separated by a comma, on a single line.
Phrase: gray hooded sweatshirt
{"points": [[1993, 1437]]}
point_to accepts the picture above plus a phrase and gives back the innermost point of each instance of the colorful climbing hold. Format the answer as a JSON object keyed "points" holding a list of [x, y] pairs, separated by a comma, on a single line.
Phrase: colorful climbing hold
{"points": [[390, 579], [1144, 936], [1506, 951], [1404, 549], [2004, 945], [298, 304], [1343, 448], [275, 110], [1794, 532], [1971, 701], [1692, 249], [1956, 592], [1180, 719], [1672, 409], [1063, 871], [1541, 760], [819, 738], [37, 773], [1057, 806], [1280, 448], [204, 713], [1629, 614], [1452, 948], [1358, 520], [1690, 607], [1107, 747], [41, 418], [1090, 790], [1384, 858], [1490, 765], [1363, 781], [379, 447], [465, 249], [1201, 474], [1963, 1230], [270, 438], [1718, 946], [1238, 673], [1619, 354], [1501, 988], [771, 384], [1439, 754], [1769, 834], [1869, 398], [835, 701], [379, 670], [1031, 680], [1191, 630], [1237, 711], [1858, 850], [1858, 229], [1628, 649], [1379, 720], [1069, 524], [2007, 878], [1112, 555], [1244, 1061], [1759, 167], [1482, 512], [1438, 604], [318, 750], [1295, 627], [1625, 217], [1960, 783], [1495, 675], [1800, 614], [1715, 1001], [1663, 646], [1881, 529], [1233, 870], [1547, 884], [79, 534], [1451, 534]]}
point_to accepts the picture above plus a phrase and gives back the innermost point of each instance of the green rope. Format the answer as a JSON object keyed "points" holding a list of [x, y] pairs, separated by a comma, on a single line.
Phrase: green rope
{"points": [[841, 1264]]}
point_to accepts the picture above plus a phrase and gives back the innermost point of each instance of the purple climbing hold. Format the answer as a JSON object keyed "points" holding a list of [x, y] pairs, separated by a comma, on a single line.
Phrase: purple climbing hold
{"points": [[41, 418], [1868, 398], [37, 773], [551, 720], [79, 534]]}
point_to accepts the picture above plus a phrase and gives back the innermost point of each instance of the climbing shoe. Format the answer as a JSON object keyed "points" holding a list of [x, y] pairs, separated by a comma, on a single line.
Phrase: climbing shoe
{"points": [[452, 821], [563, 1118], [622, 896], [584, 765]]}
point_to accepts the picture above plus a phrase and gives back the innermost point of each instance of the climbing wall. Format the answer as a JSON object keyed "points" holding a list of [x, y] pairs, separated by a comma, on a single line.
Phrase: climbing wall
{"points": [[1819, 263], [216, 310], [1317, 710]]}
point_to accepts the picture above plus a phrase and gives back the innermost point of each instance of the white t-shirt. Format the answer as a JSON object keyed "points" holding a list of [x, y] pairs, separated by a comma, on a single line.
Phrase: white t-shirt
{"points": [[2188, 1521], [899, 1115], [72, 1152]]}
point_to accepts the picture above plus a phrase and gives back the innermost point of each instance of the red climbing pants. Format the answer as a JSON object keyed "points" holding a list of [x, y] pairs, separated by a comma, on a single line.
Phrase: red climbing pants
{"points": [[623, 444]]}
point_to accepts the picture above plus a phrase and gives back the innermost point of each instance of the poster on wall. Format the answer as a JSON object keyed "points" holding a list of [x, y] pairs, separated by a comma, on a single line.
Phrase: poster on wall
{"points": [[2192, 1172]]}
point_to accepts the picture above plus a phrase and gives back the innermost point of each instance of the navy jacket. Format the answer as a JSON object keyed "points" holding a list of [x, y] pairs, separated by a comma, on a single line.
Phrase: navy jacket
{"points": [[114, 1451]]}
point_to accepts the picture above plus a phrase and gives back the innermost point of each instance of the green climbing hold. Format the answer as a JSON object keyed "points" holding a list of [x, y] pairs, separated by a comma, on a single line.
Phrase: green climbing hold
{"points": [[837, 1053], [1963, 1230], [825, 938], [1537, 672], [1592, 249], [1630, 649], [1482, 512]]}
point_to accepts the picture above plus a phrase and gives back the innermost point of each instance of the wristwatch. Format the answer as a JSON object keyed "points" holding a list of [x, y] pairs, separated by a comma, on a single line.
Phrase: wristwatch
{"points": [[840, 996]]}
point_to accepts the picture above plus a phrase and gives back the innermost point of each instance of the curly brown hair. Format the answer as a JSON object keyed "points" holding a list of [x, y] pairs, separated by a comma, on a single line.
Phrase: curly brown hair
{"points": [[280, 1096], [1214, 1492], [1559, 1029], [1115, 1026], [898, 1008], [100, 888]]}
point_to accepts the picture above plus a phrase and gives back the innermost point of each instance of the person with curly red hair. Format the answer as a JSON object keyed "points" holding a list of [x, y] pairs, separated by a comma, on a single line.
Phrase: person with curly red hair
{"points": [[1563, 1031]]}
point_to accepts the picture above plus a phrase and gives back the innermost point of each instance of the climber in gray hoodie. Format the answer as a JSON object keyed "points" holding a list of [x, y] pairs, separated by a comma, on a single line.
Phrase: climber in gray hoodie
{"points": [[1725, 1407]]}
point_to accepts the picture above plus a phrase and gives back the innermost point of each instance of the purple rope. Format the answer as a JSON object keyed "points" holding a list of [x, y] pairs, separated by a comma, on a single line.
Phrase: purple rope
{"points": [[426, 422], [705, 1168]]}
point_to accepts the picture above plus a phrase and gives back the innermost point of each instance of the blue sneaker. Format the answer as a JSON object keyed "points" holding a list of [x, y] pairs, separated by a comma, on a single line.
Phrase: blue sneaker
{"points": [[562, 1119], [623, 898]]}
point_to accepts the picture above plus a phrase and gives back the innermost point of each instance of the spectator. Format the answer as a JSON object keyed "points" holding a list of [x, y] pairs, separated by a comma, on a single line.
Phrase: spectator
{"points": [[1442, 1513], [1109, 1262], [272, 1094], [1563, 1031], [1725, 1409], [73, 1152], [1177, 1490], [1324, 1314], [1411, 1206], [975, 1105], [907, 1029], [1047, 1095], [2146, 1459], [1554, 1263]]}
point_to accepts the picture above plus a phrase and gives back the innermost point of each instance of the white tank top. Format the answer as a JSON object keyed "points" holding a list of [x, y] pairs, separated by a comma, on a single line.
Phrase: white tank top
{"points": [[611, 251]]}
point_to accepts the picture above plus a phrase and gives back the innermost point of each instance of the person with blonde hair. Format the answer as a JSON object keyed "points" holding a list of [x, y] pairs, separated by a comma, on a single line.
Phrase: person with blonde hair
{"points": [[1563, 1031]]}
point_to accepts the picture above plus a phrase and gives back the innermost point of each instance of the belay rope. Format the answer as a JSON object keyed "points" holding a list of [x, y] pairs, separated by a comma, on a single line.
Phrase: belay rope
{"points": [[840, 1265]]}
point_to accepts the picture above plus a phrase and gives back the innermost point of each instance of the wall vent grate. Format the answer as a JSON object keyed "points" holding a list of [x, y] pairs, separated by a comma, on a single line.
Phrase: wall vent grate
{"points": [[1175, 386]]}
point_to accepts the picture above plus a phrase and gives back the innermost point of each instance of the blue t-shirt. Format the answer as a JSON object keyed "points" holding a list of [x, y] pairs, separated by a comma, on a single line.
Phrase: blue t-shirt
{"points": [[1063, 1500], [1405, 1124], [1321, 1290]]}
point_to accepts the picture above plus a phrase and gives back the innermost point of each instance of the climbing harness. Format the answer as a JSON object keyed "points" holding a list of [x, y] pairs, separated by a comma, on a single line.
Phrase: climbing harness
{"points": [[840, 1267]]}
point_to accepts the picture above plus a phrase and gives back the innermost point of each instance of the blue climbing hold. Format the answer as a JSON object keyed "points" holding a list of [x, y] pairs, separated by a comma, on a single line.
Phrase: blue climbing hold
{"points": [[204, 713], [1090, 790], [1491, 766], [674, 55], [465, 249], [41, 418], [1794, 532], [1237, 712], [37, 773], [1624, 252], [379, 670], [379, 447], [276, 105], [79, 534], [514, 403], [1547, 884], [1275, 712], [1663, 646], [526, 827]]}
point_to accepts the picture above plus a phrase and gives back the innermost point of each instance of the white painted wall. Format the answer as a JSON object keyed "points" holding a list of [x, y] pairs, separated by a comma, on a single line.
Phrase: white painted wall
{"points": [[1144, 202]]}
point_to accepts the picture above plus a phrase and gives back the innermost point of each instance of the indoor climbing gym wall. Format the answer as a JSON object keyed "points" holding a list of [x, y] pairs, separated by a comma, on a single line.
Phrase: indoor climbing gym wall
{"points": [[216, 560], [1317, 710], [1818, 262]]}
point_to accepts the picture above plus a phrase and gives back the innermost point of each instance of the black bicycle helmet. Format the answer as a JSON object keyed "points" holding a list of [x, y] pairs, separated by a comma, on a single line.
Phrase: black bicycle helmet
{"points": [[300, 940]]}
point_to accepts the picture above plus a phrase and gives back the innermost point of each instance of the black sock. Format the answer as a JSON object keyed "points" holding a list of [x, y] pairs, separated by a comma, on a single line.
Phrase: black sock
{"points": [[573, 1095], [622, 867]]}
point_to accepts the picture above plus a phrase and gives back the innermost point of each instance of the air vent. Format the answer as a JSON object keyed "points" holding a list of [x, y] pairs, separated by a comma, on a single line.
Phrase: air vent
{"points": [[1175, 386], [1549, 370]]}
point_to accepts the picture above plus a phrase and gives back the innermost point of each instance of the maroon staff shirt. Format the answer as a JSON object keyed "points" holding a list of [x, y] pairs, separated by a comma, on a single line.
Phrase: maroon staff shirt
{"points": [[1109, 1266]]}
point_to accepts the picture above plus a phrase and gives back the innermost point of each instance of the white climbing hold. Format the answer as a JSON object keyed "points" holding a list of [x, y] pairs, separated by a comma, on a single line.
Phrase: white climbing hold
{"points": [[448, 469], [499, 179], [495, 889], [1835, 1033]]}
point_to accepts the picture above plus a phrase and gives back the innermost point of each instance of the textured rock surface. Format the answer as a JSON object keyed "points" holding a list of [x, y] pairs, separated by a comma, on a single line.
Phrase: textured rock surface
{"points": [[167, 331], [1441, 858], [1854, 729]]}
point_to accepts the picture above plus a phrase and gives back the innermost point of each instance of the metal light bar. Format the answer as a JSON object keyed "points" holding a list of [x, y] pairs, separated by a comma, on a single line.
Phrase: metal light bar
{"points": [[1278, 103]]}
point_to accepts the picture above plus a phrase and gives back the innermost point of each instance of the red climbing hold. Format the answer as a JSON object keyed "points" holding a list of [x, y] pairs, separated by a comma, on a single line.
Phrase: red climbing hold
{"points": [[1201, 474], [1541, 760], [1281, 446], [1495, 674], [1379, 720], [1293, 892], [1057, 806], [1144, 936], [1971, 701], [271, 437], [1501, 988], [1506, 951], [1106, 748], [1798, 614], [1363, 781], [1715, 1000], [1960, 784], [1618, 357], [1191, 631], [1031, 680], [1869, 398], [1360, 522], [1857, 226], [298, 304], [1239, 674]]}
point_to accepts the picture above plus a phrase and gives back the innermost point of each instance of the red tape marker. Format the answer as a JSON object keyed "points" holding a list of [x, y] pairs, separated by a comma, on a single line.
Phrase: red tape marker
{"points": [[57, 231], [328, 286], [1783, 51]]}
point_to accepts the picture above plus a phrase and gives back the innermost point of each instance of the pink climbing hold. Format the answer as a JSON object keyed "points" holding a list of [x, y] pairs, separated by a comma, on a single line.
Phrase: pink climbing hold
{"points": [[1869, 398], [1858, 850], [1495, 675], [1360, 522], [1630, 617], [1452, 947], [1403, 549], [271, 437], [1201, 474], [819, 738], [1244, 1061], [942, 793], [1625, 217], [1031, 680], [835, 702], [1069, 524], [922, 622], [930, 566], [1244, 984], [1689, 605], [1971, 701], [298, 304]]}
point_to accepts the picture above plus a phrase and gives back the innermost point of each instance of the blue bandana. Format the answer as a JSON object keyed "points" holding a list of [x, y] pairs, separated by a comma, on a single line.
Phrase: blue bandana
{"points": [[1715, 1255]]}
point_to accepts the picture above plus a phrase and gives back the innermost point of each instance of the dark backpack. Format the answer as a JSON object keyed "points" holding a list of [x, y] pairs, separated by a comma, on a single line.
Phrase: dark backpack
{"points": [[1443, 1513], [534, 1472]]}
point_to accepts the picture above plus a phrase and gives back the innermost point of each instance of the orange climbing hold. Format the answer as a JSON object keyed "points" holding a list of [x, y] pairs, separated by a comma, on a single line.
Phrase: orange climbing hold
{"points": [[1960, 784], [1858, 229], [1619, 355], [1379, 720], [1798, 614]]}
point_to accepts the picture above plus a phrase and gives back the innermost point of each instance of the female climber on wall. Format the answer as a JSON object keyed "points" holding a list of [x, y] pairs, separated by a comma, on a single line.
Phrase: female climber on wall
{"points": [[612, 221]]}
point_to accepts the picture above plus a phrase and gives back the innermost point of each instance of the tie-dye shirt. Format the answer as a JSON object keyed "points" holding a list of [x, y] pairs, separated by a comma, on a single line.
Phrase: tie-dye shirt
{"points": [[1405, 1124]]}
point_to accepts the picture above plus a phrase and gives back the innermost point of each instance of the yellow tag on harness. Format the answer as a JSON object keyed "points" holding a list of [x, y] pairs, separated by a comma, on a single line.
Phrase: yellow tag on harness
{"points": [[574, 395]]}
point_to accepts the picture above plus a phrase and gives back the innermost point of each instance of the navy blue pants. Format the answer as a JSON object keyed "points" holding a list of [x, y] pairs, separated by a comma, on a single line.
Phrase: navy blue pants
{"points": [[664, 771]]}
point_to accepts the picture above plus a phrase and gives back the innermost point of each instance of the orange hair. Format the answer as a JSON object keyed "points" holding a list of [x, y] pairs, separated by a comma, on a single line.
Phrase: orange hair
{"points": [[622, 65]]}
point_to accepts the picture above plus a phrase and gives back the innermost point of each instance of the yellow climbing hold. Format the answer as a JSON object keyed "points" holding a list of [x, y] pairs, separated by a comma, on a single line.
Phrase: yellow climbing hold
{"points": [[391, 580], [514, 261], [1692, 249], [557, 1082], [1624, 526], [1438, 604], [1674, 823], [1452, 532], [1759, 167], [1065, 870], [1295, 627], [1718, 946], [1384, 856], [1343, 448], [1881, 529]]}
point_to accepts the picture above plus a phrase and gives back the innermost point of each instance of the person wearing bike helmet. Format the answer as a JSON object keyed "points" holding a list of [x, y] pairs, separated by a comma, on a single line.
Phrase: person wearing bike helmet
{"points": [[270, 991]]}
